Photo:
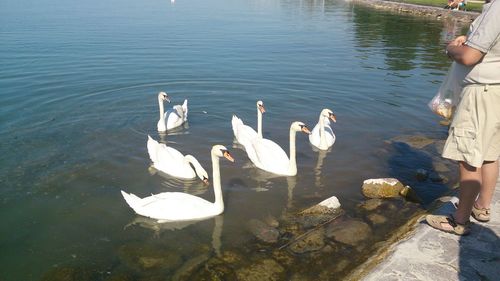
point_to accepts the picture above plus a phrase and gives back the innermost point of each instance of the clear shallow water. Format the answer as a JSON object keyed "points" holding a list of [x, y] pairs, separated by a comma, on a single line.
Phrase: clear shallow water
{"points": [[78, 87]]}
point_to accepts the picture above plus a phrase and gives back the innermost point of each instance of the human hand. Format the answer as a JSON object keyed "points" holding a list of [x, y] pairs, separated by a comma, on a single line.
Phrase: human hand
{"points": [[459, 41]]}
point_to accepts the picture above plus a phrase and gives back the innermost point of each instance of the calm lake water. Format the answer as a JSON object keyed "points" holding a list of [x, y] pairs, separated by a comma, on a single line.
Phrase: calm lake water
{"points": [[78, 94]]}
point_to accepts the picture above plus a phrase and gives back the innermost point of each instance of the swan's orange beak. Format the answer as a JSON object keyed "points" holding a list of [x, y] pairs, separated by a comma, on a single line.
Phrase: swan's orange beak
{"points": [[306, 130], [332, 117], [262, 109], [228, 156]]}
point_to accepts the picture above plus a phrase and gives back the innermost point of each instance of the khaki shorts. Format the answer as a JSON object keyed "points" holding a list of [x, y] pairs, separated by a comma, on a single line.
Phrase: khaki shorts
{"points": [[474, 134]]}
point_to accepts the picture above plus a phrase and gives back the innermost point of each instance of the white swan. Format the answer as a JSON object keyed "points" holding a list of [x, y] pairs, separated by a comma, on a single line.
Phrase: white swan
{"points": [[322, 135], [244, 133], [269, 156], [170, 161], [178, 206], [174, 117]]}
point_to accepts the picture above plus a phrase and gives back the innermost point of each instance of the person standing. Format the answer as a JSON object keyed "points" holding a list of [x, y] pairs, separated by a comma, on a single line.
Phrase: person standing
{"points": [[474, 135]]}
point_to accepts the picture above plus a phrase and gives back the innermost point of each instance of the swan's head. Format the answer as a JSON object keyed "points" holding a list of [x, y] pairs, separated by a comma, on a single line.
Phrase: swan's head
{"points": [[221, 151], [327, 113], [203, 175], [162, 96], [298, 126], [260, 106]]}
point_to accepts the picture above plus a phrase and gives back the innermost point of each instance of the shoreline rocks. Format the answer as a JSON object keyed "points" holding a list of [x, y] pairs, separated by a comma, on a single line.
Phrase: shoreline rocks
{"points": [[429, 11]]}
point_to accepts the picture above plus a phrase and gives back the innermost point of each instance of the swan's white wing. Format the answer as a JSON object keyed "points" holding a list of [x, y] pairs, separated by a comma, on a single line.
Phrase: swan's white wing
{"points": [[271, 156], [174, 206], [185, 110], [171, 161], [174, 117], [244, 134], [330, 136]]}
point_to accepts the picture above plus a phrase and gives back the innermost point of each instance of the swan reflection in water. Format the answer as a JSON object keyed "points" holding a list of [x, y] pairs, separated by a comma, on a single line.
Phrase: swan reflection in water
{"points": [[319, 165], [159, 227]]}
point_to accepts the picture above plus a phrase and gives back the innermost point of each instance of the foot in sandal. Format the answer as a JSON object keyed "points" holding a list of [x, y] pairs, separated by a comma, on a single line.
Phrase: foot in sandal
{"points": [[448, 224], [481, 214]]}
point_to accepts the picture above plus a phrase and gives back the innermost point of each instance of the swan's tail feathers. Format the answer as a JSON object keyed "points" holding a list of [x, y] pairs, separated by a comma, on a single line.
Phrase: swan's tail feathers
{"points": [[235, 122], [153, 149], [185, 109], [132, 200]]}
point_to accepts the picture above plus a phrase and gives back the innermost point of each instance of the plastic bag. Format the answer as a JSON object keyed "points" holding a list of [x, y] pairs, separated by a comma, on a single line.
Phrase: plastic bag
{"points": [[449, 93]]}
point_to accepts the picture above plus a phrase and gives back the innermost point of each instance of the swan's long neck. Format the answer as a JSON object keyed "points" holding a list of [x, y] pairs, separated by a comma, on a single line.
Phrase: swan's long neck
{"points": [[162, 110], [197, 166], [322, 136], [259, 123], [219, 202], [292, 167]]}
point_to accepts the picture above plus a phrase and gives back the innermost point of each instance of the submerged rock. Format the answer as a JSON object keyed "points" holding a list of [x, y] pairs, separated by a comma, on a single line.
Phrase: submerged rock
{"points": [[371, 204], [422, 174], [263, 231], [140, 257], [271, 221], [349, 232], [267, 269], [322, 212], [417, 142], [313, 241], [187, 269], [382, 188], [69, 274], [377, 218]]}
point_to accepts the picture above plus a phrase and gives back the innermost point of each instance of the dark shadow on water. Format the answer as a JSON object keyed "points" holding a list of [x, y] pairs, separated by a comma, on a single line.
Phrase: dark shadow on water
{"points": [[416, 167]]}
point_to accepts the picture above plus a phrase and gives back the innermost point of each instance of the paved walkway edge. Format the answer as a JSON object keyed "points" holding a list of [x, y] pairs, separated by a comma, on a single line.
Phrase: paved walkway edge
{"points": [[429, 254]]}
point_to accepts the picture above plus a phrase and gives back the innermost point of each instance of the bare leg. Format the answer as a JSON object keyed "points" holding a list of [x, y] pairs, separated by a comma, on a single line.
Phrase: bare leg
{"points": [[489, 173], [470, 184]]}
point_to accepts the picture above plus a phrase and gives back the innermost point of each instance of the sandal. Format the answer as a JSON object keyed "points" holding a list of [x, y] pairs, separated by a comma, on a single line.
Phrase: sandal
{"points": [[439, 222], [482, 215]]}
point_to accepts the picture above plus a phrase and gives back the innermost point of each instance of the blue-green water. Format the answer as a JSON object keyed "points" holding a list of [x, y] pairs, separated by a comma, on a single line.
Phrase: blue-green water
{"points": [[78, 86]]}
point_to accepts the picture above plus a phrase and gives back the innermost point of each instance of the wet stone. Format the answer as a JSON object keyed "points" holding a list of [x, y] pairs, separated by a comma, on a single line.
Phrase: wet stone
{"points": [[422, 175], [410, 195], [313, 241], [436, 177], [271, 221], [262, 231], [140, 258], [283, 257], [371, 204], [267, 269], [377, 218], [349, 232], [382, 188]]}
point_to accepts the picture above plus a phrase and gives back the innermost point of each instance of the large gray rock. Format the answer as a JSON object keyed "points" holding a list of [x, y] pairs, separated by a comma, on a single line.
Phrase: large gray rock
{"points": [[382, 188]]}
